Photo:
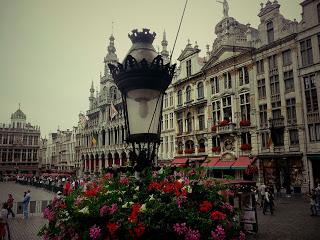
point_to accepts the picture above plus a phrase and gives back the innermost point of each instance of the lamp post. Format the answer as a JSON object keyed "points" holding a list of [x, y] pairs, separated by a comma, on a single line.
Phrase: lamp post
{"points": [[142, 79]]}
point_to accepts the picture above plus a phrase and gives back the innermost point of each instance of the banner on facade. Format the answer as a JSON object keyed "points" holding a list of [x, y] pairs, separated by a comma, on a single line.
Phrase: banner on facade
{"points": [[113, 111]]}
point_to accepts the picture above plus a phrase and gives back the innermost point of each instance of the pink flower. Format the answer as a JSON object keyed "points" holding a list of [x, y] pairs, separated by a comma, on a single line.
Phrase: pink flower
{"points": [[48, 214], [95, 232], [227, 206], [192, 234], [103, 210], [108, 176], [113, 209], [180, 228], [218, 234], [124, 180], [78, 201], [242, 236]]}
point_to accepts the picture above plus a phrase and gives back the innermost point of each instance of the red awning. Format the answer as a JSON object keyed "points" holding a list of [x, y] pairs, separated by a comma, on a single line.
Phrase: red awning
{"points": [[210, 162], [242, 163], [178, 162], [223, 164]]}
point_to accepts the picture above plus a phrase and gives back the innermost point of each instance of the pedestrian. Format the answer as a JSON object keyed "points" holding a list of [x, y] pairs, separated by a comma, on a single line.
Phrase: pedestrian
{"points": [[25, 204], [317, 192], [10, 205], [267, 202], [3, 220], [262, 190], [312, 198]]}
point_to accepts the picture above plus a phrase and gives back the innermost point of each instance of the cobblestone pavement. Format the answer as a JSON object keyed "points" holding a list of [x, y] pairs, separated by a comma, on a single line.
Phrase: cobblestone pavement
{"points": [[291, 221]]}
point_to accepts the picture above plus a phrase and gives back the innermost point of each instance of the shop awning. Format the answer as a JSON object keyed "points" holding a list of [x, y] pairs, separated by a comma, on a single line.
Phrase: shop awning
{"points": [[199, 159], [242, 163], [210, 162], [178, 162], [223, 165]]}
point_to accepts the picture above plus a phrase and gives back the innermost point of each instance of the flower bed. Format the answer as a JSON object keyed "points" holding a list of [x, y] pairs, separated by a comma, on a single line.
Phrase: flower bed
{"points": [[182, 205], [224, 123]]}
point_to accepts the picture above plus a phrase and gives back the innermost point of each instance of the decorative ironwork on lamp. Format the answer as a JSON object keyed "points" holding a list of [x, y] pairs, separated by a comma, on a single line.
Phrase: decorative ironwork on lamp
{"points": [[142, 79]]}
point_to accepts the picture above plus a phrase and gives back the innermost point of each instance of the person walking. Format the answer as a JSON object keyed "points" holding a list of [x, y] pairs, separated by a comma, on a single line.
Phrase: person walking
{"points": [[10, 205], [25, 204], [312, 198], [267, 202], [262, 190]]}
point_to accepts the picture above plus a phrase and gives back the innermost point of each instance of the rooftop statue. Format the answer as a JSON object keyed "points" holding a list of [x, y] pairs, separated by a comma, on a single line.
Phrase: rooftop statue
{"points": [[225, 8]]}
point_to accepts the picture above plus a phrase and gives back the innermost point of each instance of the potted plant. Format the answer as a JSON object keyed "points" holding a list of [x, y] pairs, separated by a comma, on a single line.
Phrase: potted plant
{"points": [[245, 122], [224, 123]]}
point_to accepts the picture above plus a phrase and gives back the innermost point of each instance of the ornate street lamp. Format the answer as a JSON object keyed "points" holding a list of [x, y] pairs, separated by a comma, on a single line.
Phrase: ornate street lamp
{"points": [[142, 79]]}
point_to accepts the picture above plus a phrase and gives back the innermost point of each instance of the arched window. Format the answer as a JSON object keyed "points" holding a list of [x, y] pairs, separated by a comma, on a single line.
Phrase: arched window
{"points": [[188, 94], [200, 90], [189, 122], [179, 97], [113, 93], [189, 145], [202, 146]]}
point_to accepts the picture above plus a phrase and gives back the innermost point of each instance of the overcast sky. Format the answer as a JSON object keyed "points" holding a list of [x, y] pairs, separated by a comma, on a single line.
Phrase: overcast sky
{"points": [[51, 50]]}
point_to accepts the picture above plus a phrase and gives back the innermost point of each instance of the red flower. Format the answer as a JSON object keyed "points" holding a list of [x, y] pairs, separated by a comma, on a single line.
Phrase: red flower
{"points": [[216, 149], [112, 227], [224, 123], [214, 128], [154, 185], [134, 213], [63, 206], [205, 206], [92, 191], [245, 123], [138, 231], [217, 215]]}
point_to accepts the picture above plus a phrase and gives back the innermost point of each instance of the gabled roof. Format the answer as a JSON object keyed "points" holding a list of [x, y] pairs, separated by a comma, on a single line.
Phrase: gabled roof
{"points": [[187, 52]]}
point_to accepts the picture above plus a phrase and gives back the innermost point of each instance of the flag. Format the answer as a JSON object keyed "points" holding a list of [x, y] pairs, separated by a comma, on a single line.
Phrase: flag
{"points": [[93, 142], [113, 111], [269, 141]]}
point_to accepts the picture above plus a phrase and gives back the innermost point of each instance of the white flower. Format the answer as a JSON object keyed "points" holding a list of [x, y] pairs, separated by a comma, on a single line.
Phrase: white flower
{"points": [[126, 205], [180, 180], [137, 188], [151, 198], [119, 199], [135, 197], [131, 203], [143, 208], [85, 210], [188, 188]]}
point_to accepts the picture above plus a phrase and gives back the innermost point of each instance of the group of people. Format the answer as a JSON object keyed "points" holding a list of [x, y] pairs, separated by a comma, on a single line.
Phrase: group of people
{"points": [[264, 196]]}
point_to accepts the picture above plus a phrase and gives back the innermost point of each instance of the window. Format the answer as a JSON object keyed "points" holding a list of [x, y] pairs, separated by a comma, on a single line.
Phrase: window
{"points": [[171, 144], [189, 122], [273, 62], [263, 115], [171, 120], [4, 155], [261, 89], [166, 142], [29, 155], [180, 122], [215, 141], [274, 85], [260, 67], [294, 136], [243, 76], [227, 108], [35, 154], [311, 94], [245, 106], [188, 67], [35, 141], [314, 132], [276, 113], [288, 81], [286, 57], [291, 111], [165, 101], [214, 85], [10, 155], [306, 52], [10, 139], [216, 112], [270, 32], [227, 80], [200, 90], [179, 97], [113, 93], [265, 139], [188, 94], [171, 98], [201, 118], [166, 122], [246, 138]]}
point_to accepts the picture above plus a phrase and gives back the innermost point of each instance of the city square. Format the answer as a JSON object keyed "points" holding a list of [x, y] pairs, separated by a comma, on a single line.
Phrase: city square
{"points": [[214, 138]]}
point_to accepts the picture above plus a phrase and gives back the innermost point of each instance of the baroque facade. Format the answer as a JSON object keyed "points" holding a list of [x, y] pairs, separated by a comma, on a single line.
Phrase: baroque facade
{"points": [[19, 146]]}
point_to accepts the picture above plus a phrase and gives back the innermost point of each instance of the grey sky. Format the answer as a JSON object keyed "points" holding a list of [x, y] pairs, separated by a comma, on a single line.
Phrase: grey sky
{"points": [[51, 50]]}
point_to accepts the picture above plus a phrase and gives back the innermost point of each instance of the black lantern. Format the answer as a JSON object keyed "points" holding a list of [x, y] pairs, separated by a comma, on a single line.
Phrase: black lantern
{"points": [[142, 79]]}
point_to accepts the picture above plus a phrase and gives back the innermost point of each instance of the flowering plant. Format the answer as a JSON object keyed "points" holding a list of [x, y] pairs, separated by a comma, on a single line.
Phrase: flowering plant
{"points": [[224, 123], [216, 149], [213, 128], [180, 151], [245, 147], [189, 150], [251, 169], [201, 149], [245, 123], [180, 205]]}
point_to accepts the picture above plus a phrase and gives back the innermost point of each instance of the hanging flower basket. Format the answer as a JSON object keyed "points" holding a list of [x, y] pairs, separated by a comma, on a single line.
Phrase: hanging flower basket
{"points": [[245, 147], [244, 123], [189, 151], [180, 151], [216, 149], [183, 205]]}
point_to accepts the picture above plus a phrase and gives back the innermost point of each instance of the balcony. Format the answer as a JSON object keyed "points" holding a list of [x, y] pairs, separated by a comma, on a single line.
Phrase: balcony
{"points": [[313, 117], [225, 129], [277, 122]]}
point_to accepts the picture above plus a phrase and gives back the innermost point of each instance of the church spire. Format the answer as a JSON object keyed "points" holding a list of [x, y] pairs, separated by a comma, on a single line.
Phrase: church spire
{"points": [[164, 44], [91, 98], [111, 55]]}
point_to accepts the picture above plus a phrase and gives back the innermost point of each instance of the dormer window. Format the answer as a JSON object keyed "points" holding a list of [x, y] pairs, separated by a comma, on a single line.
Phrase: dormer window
{"points": [[188, 67], [270, 32]]}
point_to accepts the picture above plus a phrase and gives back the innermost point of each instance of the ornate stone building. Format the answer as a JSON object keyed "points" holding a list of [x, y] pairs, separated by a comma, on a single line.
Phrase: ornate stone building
{"points": [[19, 146]]}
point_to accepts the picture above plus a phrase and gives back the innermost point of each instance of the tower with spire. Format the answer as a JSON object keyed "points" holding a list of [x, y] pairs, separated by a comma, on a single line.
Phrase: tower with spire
{"points": [[111, 56], [164, 44], [91, 98]]}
